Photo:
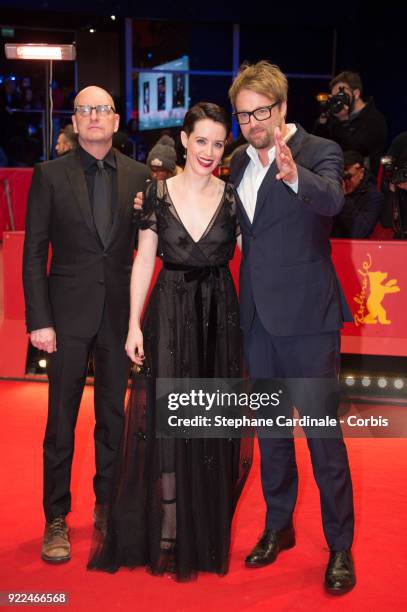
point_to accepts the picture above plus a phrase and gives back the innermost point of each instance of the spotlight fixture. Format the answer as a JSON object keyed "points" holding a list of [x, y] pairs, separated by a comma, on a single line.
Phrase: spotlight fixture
{"points": [[398, 383], [113, 17], [382, 382], [92, 30], [42, 363], [350, 381], [366, 381], [40, 52], [48, 54]]}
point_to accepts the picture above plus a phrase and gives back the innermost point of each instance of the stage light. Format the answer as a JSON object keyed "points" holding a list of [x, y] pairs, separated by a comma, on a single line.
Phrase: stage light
{"points": [[322, 97], [350, 381], [366, 381], [398, 383], [382, 382], [47, 54], [42, 363], [113, 17], [40, 52], [92, 30]]}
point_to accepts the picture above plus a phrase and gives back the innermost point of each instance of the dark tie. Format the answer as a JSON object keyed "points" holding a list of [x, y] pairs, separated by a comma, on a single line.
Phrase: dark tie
{"points": [[102, 212]]}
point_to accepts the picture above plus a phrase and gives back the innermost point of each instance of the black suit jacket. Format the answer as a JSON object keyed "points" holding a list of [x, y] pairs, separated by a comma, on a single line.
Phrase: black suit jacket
{"points": [[286, 274], [84, 276]]}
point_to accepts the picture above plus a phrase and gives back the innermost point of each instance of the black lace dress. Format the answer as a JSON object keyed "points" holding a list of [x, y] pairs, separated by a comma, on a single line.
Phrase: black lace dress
{"points": [[173, 499]]}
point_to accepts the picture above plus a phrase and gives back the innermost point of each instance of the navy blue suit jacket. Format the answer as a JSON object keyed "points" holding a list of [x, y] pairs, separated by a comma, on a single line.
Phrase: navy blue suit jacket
{"points": [[286, 273]]}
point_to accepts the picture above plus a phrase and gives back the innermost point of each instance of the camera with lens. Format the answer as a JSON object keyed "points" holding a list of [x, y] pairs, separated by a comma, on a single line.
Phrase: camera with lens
{"points": [[394, 214], [336, 103], [395, 172]]}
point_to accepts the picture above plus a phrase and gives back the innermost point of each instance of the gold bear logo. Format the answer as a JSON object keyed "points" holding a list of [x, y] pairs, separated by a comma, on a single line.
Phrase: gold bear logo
{"points": [[377, 313], [372, 302]]}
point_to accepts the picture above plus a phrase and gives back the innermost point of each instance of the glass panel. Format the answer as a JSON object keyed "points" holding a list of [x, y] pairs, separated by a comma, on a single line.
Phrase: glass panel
{"points": [[303, 49], [208, 45], [22, 97]]}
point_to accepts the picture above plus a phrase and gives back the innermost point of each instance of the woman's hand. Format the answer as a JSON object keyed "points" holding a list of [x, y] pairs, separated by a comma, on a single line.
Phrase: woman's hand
{"points": [[138, 201], [134, 346]]}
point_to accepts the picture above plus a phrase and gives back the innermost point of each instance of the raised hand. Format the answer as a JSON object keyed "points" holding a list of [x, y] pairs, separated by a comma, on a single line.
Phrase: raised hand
{"points": [[284, 160]]}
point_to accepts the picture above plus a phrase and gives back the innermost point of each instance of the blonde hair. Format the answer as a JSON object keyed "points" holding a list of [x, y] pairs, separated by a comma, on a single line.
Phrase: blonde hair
{"points": [[263, 78]]}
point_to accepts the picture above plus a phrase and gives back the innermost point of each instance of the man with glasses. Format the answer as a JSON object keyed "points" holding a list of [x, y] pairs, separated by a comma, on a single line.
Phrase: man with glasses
{"points": [[82, 205], [290, 186]]}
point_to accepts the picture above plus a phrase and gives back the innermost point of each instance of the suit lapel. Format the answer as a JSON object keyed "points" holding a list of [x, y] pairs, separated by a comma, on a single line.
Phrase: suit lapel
{"points": [[264, 187], [244, 162], [77, 181], [237, 179], [123, 181], [242, 209], [296, 141], [266, 184], [269, 180]]}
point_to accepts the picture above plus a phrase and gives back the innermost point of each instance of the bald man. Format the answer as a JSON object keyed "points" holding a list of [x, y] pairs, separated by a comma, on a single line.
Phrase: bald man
{"points": [[82, 205]]}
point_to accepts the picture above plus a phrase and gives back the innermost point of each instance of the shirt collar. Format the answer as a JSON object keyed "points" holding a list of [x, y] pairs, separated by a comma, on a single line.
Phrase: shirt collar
{"points": [[88, 160], [252, 152]]}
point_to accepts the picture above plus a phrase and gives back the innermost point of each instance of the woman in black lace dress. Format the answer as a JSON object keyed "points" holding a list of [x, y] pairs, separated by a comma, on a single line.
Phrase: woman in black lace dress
{"points": [[174, 499]]}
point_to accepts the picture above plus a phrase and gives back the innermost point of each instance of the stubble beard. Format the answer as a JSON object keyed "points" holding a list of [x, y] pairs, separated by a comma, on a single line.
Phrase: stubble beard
{"points": [[262, 140]]}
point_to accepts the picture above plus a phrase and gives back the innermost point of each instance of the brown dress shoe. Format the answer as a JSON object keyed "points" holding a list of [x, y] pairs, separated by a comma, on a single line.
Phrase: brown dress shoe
{"points": [[55, 545], [100, 518]]}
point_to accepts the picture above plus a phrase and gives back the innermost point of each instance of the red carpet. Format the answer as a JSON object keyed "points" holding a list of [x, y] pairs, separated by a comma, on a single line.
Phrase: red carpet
{"points": [[379, 469]]}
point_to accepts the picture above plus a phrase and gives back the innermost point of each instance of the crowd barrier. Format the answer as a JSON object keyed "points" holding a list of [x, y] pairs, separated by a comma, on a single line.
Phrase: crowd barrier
{"points": [[373, 275]]}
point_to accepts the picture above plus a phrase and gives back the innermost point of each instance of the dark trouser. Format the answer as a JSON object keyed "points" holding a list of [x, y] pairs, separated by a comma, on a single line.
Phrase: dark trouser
{"points": [[308, 356], [67, 369]]}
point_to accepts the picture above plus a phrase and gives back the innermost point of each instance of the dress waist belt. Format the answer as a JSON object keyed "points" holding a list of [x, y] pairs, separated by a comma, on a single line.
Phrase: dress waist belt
{"points": [[207, 355]]}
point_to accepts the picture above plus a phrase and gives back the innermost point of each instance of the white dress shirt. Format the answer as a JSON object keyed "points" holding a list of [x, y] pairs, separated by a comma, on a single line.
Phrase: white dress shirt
{"points": [[255, 173]]}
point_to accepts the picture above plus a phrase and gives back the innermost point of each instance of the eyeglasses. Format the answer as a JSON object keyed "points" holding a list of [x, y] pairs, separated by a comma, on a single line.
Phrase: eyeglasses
{"points": [[261, 114], [101, 109]]}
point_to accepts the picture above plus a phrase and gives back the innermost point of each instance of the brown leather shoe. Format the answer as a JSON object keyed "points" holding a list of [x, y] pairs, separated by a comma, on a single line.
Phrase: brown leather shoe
{"points": [[56, 547], [100, 518]]}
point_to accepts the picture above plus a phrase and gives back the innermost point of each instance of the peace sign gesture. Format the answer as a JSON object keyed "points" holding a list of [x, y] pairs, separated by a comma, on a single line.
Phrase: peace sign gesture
{"points": [[284, 160]]}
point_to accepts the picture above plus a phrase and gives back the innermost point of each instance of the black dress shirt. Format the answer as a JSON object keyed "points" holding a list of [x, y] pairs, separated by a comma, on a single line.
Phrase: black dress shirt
{"points": [[89, 164]]}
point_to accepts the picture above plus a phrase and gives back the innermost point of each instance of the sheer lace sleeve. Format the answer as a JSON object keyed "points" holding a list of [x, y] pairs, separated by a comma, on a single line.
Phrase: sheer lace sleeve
{"points": [[148, 216]]}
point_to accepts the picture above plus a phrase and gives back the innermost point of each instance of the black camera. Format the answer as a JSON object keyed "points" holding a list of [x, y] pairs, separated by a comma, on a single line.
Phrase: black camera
{"points": [[400, 174], [394, 214], [336, 103], [395, 172]]}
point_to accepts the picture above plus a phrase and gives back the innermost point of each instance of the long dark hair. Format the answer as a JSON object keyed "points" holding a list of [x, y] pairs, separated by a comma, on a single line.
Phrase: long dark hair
{"points": [[206, 110]]}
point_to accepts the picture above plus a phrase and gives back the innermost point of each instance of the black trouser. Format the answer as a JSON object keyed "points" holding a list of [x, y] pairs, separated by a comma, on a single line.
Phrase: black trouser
{"points": [[310, 356], [67, 369]]}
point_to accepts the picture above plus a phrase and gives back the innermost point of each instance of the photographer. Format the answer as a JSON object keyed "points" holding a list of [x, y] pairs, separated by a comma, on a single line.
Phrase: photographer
{"points": [[354, 124], [395, 187], [363, 200]]}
